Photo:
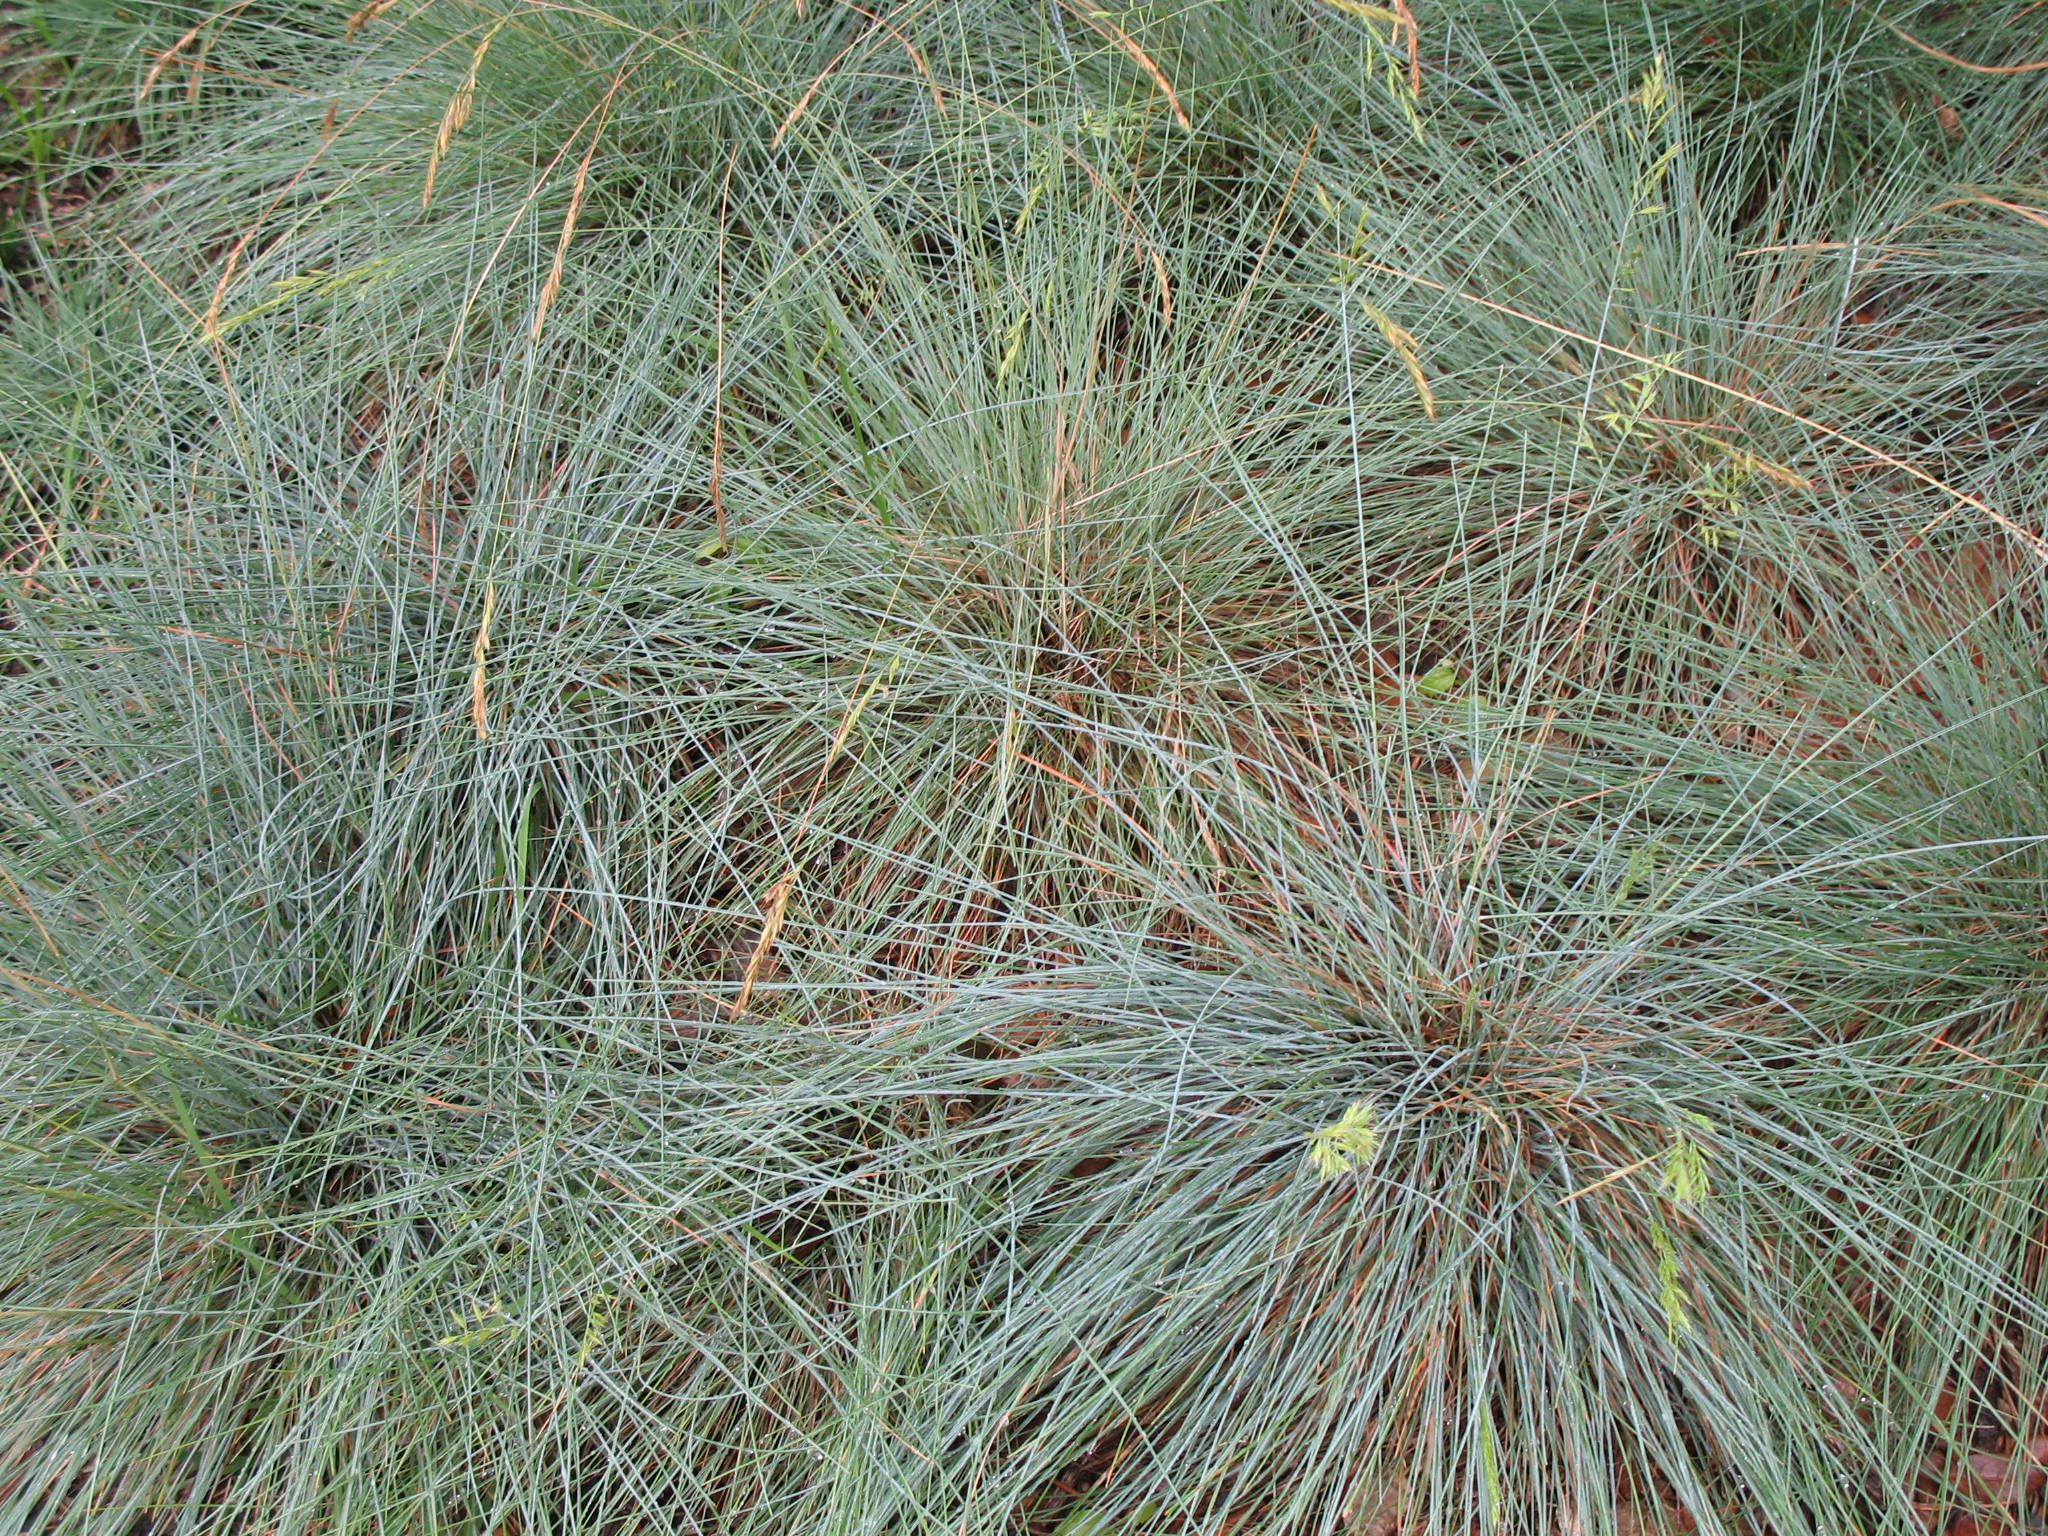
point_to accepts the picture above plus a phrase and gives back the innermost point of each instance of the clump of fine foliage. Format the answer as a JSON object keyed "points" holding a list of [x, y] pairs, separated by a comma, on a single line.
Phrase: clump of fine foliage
{"points": [[1260, 767]]}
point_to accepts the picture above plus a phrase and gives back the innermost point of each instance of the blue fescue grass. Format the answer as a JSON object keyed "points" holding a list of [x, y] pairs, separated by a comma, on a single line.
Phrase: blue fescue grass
{"points": [[861, 790]]}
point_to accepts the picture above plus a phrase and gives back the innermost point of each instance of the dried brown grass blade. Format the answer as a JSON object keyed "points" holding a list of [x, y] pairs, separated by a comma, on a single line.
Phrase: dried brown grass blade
{"points": [[490, 265], [1402, 20], [772, 912], [777, 904], [163, 61], [1165, 289], [1949, 58], [171, 54], [2033, 214], [21, 900], [553, 285], [1403, 343], [1109, 29], [916, 59], [478, 713], [452, 120], [365, 16], [456, 114], [1414, 48], [790, 120]]}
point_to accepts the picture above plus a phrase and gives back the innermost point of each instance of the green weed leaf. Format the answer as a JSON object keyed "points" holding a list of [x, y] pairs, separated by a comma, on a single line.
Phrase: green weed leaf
{"points": [[1439, 682]]}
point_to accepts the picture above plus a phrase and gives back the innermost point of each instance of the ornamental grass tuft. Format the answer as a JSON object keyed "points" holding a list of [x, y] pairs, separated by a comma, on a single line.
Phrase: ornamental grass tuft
{"points": [[1271, 767]]}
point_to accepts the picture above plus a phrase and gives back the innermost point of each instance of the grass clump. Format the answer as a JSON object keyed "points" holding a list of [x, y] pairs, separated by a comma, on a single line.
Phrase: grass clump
{"points": [[1261, 768]]}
